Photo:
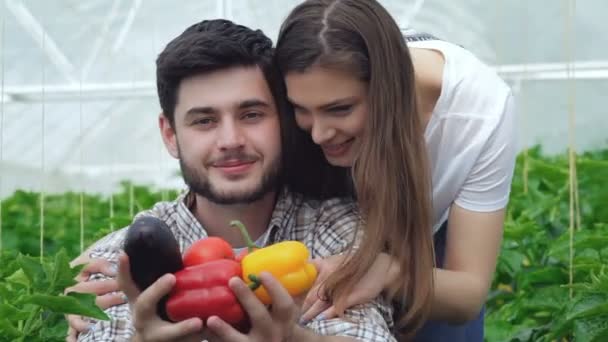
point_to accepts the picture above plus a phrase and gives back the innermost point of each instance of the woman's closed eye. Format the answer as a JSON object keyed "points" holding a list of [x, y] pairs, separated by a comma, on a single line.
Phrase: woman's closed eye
{"points": [[341, 109]]}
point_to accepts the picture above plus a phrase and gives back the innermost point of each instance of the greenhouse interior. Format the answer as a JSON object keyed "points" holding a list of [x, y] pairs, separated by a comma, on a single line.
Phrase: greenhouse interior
{"points": [[81, 156]]}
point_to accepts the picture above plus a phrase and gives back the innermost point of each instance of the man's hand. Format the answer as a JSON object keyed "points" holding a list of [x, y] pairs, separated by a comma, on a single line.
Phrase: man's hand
{"points": [[106, 291], [148, 325], [277, 324]]}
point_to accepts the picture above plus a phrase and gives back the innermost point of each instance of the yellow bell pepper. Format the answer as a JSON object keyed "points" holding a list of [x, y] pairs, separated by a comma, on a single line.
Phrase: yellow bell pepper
{"points": [[287, 261]]}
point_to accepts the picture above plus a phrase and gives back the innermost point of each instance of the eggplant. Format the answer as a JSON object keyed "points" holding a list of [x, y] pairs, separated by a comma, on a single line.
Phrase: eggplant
{"points": [[153, 252]]}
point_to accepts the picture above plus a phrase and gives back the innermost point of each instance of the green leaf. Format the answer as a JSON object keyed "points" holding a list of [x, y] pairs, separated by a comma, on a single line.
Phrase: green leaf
{"points": [[542, 276], [588, 306], [73, 303], [551, 298], [497, 330], [592, 329], [54, 331], [11, 312], [597, 310], [34, 272], [20, 278], [9, 331], [583, 240], [510, 261], [61, 274], [559, 327], [525, 334]]}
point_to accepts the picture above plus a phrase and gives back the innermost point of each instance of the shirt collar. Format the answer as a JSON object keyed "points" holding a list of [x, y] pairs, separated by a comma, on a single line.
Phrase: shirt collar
{"points": [[282, 218]]}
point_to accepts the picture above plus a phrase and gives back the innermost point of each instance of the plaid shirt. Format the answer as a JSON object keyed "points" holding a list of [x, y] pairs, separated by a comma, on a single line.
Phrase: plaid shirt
{"points": [[325, 227]]}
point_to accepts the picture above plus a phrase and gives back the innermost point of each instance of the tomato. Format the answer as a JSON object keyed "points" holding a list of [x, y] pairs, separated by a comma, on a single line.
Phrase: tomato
{"points": [[208, 249]]}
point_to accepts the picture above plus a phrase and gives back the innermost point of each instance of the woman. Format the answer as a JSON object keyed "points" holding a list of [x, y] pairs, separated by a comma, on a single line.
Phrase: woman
{"points": [[426, 131]]}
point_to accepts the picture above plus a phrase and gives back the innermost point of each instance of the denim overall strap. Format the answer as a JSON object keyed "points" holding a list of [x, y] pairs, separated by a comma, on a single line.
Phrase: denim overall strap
{"points": [[439, 331], [411, 35]]}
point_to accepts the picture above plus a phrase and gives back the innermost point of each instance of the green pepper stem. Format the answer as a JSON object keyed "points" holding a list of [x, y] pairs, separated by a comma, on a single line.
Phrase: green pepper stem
{"points": [[255, 282], [240, 226]]}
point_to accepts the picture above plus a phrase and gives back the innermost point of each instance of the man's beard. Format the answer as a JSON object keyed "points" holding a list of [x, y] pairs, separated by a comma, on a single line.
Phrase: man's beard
{"points": [[200, 185]]}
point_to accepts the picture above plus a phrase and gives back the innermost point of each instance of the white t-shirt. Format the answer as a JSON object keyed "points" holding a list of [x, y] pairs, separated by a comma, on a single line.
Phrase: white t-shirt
{"points": [[470, 136]]}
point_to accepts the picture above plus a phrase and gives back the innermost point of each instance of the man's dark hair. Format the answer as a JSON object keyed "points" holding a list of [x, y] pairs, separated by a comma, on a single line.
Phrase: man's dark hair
{"points": [[209, 46]]}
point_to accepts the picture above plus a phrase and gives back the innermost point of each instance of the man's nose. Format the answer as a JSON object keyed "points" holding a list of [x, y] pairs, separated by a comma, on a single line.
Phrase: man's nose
{"points": [[230, 136]]}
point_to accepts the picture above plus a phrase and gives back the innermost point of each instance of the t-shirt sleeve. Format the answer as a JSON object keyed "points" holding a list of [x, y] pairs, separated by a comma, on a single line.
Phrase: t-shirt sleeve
{"points": [[488, 185]]}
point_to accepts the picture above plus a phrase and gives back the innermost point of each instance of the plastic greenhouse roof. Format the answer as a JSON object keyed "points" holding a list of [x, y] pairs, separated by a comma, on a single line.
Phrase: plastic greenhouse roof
{"points": [[79, 106]]}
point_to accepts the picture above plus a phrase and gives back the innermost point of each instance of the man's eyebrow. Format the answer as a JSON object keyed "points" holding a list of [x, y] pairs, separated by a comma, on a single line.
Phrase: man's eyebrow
{"points": [[241, 105], [201, 110]]}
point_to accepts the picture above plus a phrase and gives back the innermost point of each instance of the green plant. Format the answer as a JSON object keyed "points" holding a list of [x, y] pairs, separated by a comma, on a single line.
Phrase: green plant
{"points": [[31, 300], [32, 304], [62, 217], [531, 299]]}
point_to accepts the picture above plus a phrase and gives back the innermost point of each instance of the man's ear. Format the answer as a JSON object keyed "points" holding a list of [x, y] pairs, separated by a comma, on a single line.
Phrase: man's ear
{"points": [[167, 132]]}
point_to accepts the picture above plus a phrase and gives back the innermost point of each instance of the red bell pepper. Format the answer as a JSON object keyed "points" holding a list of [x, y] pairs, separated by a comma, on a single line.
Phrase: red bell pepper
{"points": [[208, 249], [202, 291]]}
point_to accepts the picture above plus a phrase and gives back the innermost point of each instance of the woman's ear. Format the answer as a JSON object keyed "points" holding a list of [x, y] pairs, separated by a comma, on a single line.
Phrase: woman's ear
{"points": [[167, 132]]}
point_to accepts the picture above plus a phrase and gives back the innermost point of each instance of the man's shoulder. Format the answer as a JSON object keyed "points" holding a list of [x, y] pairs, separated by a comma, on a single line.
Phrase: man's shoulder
{"points": [[338, 210], [320, 206], [114, 241], [316, 216]]}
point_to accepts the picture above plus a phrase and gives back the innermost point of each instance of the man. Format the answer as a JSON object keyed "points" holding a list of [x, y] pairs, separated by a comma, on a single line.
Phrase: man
{"points": [[224, 118]]}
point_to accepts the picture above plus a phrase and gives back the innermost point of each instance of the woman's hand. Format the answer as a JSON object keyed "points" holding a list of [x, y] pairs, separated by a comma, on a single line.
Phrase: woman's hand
{"points": [[317, 306], [106, 291]]}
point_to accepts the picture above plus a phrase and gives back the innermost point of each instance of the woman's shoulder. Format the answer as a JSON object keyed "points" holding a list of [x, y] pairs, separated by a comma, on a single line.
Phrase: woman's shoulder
{"points": [[471, 90], [469, 87]]}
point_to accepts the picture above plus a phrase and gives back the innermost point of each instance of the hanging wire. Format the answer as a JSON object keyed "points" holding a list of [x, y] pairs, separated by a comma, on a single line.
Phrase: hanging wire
{"points": [[80, 160], [112, 197], [131, 199], [524, 101], [112, 181], [497, 38], [43, 164], [1, 121], [134, 151], [163, 165], [572, 98], [573, 202]]}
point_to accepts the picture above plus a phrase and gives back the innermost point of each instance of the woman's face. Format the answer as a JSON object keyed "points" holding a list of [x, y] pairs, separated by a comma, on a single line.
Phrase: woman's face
{"points": [[331, 105]]}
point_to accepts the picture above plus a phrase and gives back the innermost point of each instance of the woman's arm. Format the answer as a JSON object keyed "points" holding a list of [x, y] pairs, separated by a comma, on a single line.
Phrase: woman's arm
{"points": [[472, 247], [461, 286]]}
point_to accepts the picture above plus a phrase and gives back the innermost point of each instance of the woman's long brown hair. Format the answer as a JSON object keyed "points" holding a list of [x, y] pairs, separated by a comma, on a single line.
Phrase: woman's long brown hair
{"points": [[390, 173]]}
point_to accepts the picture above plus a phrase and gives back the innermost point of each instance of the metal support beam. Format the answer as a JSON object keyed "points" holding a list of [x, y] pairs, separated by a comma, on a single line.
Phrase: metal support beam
{"points": [[555, 71], [410, 15], [101, 37], [38, 33], [582, 70], [73, 92], [223, 9], [126, 27]]}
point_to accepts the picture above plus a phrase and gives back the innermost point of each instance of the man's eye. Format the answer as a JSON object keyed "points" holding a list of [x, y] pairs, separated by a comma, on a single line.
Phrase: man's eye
{"points": [[252, 115], [204, 121]]}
